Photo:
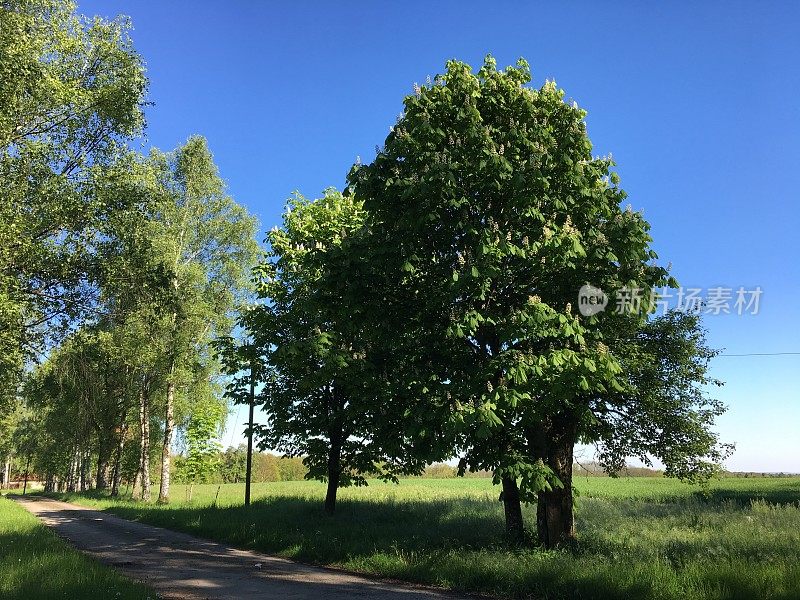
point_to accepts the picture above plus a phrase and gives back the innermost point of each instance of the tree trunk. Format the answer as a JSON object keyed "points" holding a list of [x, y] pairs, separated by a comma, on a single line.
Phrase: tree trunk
{"points": [[102, 473], [144, 444], [103, 457], [169, 426], [251, 402], [7, 473], [555, 519], [27, 470], [68, 475], [336, 437], [72, 473], [85, 464], [334, 473], [512, 507], [134, 487], [333, 487], [116, 480]]}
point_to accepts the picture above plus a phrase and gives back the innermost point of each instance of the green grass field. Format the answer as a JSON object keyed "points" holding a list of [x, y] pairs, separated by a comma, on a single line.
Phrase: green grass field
{"points": [[37, 564], [638, 538]]}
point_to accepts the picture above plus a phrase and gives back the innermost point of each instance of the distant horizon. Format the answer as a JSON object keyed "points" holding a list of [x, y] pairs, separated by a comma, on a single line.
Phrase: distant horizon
{"points": [[229, 440]]}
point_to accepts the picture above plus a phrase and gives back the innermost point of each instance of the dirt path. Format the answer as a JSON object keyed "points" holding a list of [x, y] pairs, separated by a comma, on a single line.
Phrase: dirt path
{"points": [[177, 565]]}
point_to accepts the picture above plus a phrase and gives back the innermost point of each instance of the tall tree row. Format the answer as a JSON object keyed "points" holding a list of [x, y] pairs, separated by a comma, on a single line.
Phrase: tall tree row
{"points": [[206, 244], [172, 264], [71, 91], [118, 270]]}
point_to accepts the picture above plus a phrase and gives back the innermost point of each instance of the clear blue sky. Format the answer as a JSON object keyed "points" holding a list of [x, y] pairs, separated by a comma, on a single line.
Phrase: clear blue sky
{"points": [[698, 102]]}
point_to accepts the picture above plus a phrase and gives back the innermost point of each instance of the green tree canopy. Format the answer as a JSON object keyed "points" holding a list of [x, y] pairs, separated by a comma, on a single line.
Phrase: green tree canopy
{"points": [[487, 213], [324, 396], [71, 89]]}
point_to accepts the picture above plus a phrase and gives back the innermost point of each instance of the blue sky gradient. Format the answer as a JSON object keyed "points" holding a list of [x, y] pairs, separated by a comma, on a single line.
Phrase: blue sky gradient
{"points": [[698, 102]]}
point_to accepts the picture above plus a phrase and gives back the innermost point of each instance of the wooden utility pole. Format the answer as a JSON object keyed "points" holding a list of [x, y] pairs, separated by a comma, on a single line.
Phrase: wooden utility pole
{"points": [[252, 402]]}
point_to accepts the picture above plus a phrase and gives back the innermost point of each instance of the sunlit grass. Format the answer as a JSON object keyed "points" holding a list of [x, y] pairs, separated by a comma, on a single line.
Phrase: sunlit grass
{"points": [[638, 538], [37, 564]]}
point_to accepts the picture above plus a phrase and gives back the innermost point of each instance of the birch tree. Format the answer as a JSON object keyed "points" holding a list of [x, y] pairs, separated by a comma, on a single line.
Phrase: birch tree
{"points": [[206, 244], [72, 90]]}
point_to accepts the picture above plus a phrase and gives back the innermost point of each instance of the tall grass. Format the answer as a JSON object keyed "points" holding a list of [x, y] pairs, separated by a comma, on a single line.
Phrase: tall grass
{"points": [[638, 538]]}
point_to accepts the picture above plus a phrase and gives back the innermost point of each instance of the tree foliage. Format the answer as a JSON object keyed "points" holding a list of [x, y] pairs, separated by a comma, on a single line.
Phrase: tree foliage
{"points": [[202, 447], [487, 213], [323, 395], [72, 89]]}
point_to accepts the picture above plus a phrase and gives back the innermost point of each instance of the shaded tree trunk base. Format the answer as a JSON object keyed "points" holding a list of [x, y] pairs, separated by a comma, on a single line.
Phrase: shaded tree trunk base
{"points": [[330, 496], [334, 477], [555, 517], [555, 520], [512, 507]]}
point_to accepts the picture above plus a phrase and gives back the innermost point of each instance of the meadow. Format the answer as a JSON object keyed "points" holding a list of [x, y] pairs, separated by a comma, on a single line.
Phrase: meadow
{"points": [[36, 563], [650, 538]]}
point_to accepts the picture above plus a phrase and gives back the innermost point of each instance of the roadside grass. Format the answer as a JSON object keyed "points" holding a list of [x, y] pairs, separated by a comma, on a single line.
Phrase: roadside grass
{"points": [[638, 538], [36, 563]]}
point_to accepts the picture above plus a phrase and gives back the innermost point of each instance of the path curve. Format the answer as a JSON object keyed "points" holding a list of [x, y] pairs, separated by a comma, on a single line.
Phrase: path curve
{"points": [[178, 565]]}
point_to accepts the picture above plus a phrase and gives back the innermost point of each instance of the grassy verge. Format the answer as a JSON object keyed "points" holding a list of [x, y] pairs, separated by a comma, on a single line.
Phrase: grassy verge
{"points": [[639, 538], [35, 563]]}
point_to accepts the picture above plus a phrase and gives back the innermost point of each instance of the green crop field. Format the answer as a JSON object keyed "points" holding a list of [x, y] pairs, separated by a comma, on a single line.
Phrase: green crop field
{"points": [[37, 564], [638, 538]]}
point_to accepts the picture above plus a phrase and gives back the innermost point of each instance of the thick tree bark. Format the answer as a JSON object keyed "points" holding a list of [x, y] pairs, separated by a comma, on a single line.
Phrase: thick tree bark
{"points": [[166, 457], [555, 519], [144, 445], [512, 506]]}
